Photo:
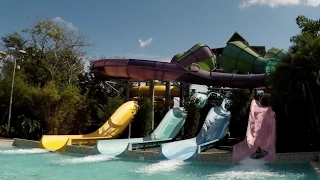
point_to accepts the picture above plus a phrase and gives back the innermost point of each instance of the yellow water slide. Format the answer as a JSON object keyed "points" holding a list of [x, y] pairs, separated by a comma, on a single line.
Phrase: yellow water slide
{"points": [[112, 128], [159, 92]]}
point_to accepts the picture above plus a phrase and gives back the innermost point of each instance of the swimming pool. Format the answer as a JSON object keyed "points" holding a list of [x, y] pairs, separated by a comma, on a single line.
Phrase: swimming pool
{"points": [[30, 164]]}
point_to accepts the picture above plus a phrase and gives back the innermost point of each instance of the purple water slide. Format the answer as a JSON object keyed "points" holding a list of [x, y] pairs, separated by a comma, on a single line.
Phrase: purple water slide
{"points": [[144, 70]]}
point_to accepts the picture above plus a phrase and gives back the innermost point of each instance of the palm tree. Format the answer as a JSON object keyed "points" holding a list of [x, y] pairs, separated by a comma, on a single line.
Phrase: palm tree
{"points": [[296, 80]]}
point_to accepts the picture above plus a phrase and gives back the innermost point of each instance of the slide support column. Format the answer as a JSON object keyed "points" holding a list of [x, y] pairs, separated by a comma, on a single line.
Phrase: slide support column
{"points": [[151, 87], [187, 89], [182, 94], [127, 89], [168, 97], [126, 99]]}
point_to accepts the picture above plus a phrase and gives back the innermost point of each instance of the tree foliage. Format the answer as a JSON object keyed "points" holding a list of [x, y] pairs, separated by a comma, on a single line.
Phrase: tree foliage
{"points": [[142, 121], [241, 99], [239, 108], [295, 92], [49, 95], [193, 117]]}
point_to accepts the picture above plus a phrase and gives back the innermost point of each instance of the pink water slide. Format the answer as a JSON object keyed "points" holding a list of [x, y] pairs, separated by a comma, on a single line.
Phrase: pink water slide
{"points": [[261, 135]]}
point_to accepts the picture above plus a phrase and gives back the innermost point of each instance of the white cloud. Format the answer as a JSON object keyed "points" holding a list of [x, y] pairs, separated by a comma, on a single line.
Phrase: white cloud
{"points": [[145, 43], [313, 3], [276, 3], [68, 25]]}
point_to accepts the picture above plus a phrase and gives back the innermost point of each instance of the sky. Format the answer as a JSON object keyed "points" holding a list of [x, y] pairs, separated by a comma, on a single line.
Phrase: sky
{"points": [[159, 29]]}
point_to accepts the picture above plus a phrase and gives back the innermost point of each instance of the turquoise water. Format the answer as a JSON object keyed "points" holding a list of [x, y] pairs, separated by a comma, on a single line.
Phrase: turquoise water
{"points": [[36, 164]]}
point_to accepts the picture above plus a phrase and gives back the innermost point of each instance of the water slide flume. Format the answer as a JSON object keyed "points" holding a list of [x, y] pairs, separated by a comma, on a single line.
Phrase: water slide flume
{"points": [[159, 90], [113, 127], [240, 57], [213, 130], [260, 140], [168, 128], [159, 93], [196, 66], [145, 70]]}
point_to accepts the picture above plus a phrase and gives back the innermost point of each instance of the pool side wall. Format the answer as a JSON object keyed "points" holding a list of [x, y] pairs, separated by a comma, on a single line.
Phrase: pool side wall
{"points": [[153, 155], [6, 142]]}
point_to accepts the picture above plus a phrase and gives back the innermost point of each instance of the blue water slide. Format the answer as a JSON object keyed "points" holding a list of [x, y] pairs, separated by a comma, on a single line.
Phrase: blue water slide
{"points": [[214, 129], [168, 129]]}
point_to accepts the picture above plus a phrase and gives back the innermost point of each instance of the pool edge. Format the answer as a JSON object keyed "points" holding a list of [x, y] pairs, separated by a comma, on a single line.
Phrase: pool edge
{"points": [[153, 155]]}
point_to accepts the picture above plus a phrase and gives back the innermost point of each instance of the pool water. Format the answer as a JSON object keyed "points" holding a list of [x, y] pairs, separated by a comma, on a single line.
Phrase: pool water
{"points": [[36, 164]]}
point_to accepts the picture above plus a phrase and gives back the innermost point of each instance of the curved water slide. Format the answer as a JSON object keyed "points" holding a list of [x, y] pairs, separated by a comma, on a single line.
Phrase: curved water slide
{"points": [[159, 93], [239, 56], [214, 129], [199, 54], [168, 128], [260, 140], [159, 90], [145, 70], [194, 66], [112, 128]]}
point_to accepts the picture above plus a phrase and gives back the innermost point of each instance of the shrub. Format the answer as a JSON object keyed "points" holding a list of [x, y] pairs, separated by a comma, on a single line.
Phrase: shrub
{"points": [[113, 103], [239, 109], [142, 121], [193, 118], [241, 99]]}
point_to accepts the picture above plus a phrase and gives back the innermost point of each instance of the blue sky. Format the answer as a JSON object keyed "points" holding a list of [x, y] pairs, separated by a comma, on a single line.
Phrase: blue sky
{"points": [[158, 29]]}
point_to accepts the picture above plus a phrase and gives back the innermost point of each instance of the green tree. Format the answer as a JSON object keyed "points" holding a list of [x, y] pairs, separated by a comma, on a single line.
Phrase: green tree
{"points": [[57, 49], [193, 118], [142, 121], [241, 99], [46, 91], [97, 93], [294, 91], [113, 103]]}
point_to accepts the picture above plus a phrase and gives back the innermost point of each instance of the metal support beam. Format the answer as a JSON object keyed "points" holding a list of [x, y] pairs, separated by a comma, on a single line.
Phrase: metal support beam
{"points": [[127, 90], [182, 88], [187, 90], [168, 97], [126, 99], [151, 88]]}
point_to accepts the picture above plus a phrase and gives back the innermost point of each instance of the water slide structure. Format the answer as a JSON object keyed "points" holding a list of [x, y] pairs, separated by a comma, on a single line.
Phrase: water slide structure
{"points": [[260, 139], [240, 57], [197, 66], [112, 128], [168, 128], [214, 129], [159, 93]]}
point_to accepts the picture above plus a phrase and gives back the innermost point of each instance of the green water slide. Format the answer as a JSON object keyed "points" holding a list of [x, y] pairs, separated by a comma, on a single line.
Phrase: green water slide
{"points": [[199, 54], [239, 56]]}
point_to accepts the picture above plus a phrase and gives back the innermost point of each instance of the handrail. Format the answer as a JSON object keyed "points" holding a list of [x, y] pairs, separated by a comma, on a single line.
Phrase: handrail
{"points": [[147, 144], [205, 146]]}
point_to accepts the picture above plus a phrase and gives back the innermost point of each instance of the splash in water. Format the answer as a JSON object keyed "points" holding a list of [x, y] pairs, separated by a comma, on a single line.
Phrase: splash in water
{"points": [[253, 169], [82, 160], [24, 151], [160, 167]]}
